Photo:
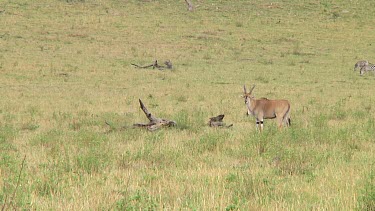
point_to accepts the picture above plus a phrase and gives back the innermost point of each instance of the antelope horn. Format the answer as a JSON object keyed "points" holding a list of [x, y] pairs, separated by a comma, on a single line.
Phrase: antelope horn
{"points": [[252, 89], [244, 89]]}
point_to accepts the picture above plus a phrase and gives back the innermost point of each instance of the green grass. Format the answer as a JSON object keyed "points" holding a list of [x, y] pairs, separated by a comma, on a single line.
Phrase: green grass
{"points": [[367, 196], [70, 98]]}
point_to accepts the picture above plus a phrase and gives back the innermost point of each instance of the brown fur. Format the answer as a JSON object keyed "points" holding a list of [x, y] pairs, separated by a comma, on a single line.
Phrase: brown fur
{"points": [[264, 108]]}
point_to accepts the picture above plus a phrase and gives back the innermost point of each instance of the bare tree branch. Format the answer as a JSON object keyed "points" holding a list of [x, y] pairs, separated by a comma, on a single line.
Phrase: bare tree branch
{"points": [[168, 64], [147, 113], [190, 5], [155, 122], [155, 64], [217, 121]]}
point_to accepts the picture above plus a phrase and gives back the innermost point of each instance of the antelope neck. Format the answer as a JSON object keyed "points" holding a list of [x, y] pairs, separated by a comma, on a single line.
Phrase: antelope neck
{"points": [[249, 106]]}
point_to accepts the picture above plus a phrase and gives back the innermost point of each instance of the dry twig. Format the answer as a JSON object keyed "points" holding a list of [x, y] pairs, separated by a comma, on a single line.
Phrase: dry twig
{"points": [[168, 64], [190, 5]]}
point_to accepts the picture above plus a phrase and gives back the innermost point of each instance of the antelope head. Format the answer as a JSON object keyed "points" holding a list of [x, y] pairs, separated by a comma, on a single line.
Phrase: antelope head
{"points": [[248, 98]]}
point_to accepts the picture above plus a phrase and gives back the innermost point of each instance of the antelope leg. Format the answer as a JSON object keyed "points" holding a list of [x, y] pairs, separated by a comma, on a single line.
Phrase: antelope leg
{"points": [[280, 122]]}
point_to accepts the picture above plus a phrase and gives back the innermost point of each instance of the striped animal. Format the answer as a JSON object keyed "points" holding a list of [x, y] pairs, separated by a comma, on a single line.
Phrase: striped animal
{"points": [[366, 68], [360, 64]]}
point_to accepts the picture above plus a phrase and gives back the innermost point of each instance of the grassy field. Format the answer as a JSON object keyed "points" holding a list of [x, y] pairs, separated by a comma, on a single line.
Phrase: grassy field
{"points": [[66, 70]]}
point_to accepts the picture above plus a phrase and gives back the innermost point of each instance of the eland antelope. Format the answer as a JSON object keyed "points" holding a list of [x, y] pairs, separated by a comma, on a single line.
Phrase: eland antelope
{"points": [[264, 108]]}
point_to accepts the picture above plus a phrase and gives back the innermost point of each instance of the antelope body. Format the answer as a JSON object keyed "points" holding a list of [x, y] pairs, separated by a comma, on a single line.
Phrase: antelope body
{"points": [[264, 108]]}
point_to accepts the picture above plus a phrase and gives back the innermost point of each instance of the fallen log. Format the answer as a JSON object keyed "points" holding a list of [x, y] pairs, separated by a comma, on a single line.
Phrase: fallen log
{"points": [[217, 121], [155, 122]]}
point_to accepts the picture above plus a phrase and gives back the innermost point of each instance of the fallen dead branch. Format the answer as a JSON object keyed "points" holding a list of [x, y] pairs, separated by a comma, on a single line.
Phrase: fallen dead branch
{"points": [[168, 65], [155, 122], [190, 5], [217, 121]]}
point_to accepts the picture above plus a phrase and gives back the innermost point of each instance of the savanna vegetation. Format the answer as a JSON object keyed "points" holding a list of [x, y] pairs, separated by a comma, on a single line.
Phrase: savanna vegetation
{"points": [[65, 70]]}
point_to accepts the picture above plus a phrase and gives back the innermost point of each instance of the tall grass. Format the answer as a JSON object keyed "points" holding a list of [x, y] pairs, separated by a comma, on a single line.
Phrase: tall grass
{"points": [[70, 97]]}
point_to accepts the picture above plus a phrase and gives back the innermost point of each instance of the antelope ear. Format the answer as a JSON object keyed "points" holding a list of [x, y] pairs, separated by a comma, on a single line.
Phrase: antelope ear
{"points": [[244, 88]]}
